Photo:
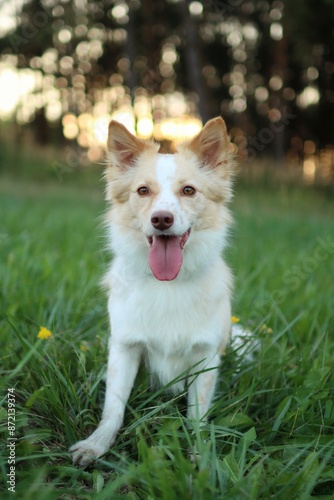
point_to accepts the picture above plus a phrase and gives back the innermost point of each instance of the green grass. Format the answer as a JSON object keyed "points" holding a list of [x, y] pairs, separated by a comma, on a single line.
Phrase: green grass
{"points": [[270, 433]]}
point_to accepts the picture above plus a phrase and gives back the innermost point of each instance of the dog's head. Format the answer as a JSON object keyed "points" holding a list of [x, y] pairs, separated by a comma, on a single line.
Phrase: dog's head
{"points": [[170, 200]]}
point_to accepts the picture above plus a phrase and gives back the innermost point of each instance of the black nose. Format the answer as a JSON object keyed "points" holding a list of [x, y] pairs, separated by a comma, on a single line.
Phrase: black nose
{"points": [[162, 220]]}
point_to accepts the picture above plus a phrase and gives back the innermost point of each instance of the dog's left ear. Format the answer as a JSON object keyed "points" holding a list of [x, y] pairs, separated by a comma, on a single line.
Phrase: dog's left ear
{"points": [[212, 145], [123, 147]]}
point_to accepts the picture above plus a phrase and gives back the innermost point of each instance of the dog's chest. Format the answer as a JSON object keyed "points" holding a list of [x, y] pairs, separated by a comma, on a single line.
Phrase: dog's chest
{"points": [[166, 320]]}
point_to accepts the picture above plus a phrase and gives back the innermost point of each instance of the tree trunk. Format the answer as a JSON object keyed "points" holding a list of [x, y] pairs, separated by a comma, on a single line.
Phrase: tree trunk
{"points": [[193, 62]]}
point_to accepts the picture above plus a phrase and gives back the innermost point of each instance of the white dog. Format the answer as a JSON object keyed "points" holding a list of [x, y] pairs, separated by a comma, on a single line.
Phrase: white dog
{"points": [[169, 288]]}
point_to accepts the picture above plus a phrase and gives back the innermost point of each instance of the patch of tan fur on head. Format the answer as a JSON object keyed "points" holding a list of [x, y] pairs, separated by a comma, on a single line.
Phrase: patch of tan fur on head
{"points": [[124, 151], [214, 154]]}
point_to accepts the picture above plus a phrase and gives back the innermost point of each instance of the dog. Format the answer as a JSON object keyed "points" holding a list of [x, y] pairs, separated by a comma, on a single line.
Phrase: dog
{"points": [[169, 287]]}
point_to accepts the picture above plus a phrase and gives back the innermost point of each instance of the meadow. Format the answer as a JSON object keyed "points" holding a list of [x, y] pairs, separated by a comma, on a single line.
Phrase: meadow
{"points": [[270, 430]]}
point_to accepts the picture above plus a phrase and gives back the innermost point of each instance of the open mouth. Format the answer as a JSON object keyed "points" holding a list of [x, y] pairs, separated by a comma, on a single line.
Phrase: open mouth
{"points": [[165, 255]]}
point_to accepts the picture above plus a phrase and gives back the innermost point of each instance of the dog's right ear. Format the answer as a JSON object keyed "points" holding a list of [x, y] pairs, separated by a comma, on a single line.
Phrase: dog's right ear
{"points": [[123, 147]]}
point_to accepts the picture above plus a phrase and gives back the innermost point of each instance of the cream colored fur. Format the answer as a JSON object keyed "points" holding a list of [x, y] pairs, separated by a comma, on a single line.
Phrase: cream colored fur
{"points": [[179, 326]]}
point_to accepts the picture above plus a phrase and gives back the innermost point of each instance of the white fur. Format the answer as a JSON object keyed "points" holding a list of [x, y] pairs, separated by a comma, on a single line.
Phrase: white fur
{"points": [[178, 327], [165, 173], [165, 169]]}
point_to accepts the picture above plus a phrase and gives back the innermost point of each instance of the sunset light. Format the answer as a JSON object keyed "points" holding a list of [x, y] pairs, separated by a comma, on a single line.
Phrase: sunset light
{"points": [[92, 70]]}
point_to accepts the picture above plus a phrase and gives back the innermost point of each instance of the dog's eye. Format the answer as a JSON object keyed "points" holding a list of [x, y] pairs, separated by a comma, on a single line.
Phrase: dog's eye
{"points": [[188, 191], [143, 191]]}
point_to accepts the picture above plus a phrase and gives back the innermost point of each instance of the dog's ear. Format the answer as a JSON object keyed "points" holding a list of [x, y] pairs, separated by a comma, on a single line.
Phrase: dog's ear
{"points": [[212, 145], [123, 147]]}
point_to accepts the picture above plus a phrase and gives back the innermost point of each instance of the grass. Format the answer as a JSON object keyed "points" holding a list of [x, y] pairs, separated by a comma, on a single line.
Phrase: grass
{"points": [[270, 433]]}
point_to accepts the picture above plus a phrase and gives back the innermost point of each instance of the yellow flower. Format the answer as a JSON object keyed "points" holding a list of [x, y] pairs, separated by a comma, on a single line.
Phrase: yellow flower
{"points": [[84, 347], [44, 333], [265, 329], [234, 319]]}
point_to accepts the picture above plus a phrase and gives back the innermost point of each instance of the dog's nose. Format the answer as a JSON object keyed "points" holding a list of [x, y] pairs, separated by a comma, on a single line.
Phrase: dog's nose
{"points": [[162, 220]]}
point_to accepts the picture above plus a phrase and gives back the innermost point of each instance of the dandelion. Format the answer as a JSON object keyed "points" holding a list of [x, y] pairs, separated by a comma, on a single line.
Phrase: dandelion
{"points": [[234, 319], [44, 333]]}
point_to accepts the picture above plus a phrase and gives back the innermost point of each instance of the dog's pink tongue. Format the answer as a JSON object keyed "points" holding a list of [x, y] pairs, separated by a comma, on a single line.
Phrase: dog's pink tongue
{"points": [[165, 257]]}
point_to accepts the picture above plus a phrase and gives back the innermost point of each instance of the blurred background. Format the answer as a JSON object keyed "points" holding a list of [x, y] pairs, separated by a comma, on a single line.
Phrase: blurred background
{"points": [[163, 68]]}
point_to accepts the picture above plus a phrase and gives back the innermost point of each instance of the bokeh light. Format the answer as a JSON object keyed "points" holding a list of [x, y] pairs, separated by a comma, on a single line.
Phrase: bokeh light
{"points": [[106, 61]]}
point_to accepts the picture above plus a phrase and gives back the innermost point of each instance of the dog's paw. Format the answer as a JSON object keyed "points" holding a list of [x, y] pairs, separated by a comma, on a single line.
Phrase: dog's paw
{"points": [[86, 451]]}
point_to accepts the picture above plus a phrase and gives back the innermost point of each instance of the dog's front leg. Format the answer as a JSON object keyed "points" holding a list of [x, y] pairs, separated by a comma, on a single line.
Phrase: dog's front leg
{"points": [[202, 387], [123, 366]]}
